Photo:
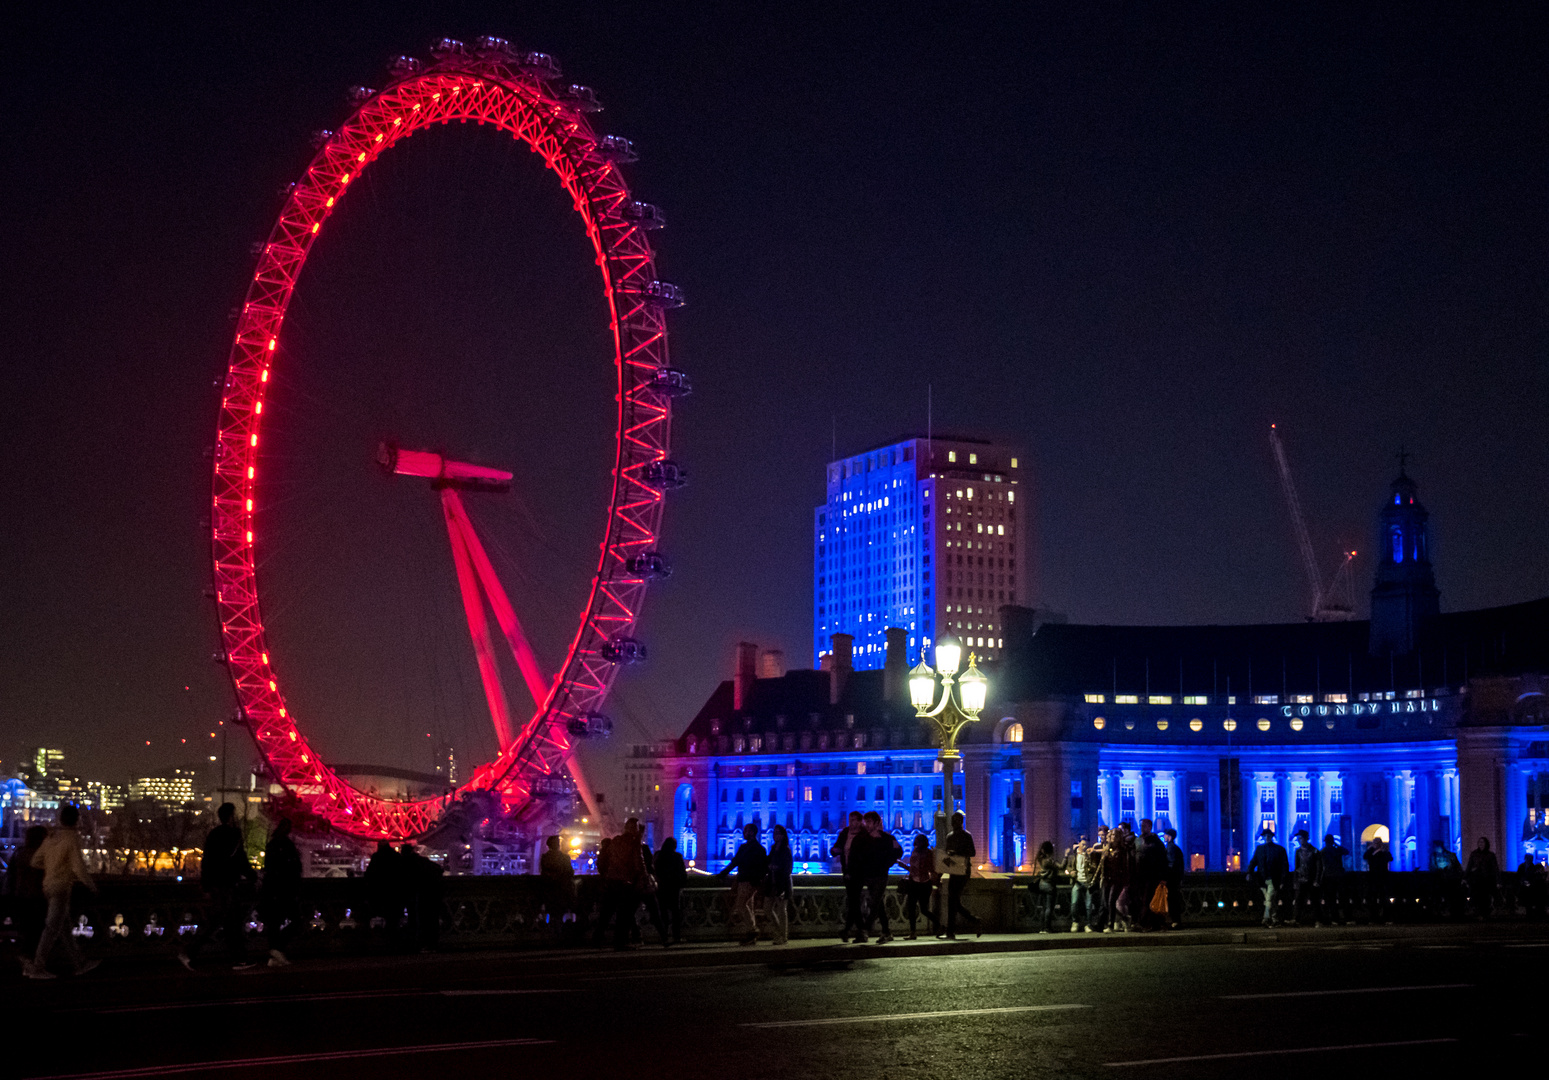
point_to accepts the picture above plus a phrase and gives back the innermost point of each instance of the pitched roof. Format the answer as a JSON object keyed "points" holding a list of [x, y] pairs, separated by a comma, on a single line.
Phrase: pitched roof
{"points": [[1067, 660]]}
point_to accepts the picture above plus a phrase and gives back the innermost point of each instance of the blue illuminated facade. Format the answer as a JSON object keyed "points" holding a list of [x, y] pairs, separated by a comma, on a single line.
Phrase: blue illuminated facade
{"points": [[927, 535], [1417, 725]]}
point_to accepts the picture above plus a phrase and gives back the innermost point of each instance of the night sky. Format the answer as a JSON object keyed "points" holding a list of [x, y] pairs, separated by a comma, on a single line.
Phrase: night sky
{"points": [[1129, 240]]}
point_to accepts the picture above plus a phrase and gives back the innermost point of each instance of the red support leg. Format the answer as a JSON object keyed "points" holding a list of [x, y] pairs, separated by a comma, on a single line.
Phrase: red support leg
{"points": [[505, 614], [473, 606]]}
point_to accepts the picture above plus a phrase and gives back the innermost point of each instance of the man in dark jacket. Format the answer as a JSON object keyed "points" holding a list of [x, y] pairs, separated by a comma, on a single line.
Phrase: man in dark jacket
{"points": [[752, 865], [384, 890], [959, 853], [1484, 873], [1150, 872], [1305, 877], [881, 851], [671, 877], [1268, 869], [1175, 868], [1332, 899], [227, 878], [854, 887], [422, 886], [279, 899]]}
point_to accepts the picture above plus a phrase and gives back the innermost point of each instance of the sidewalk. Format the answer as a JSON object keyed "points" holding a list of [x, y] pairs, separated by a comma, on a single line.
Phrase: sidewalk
{"points": [[827, 952]]}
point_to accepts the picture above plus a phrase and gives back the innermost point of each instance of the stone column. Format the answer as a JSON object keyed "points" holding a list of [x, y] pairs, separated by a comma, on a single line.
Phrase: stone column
{"points": [[1285, 808], [1320, 795], [1510, 854], [1425, 815], [1215, 856], [1250, 814], [1109, 779], [1395, 818], [975, 771], [1029, 784], [1145, 797]]}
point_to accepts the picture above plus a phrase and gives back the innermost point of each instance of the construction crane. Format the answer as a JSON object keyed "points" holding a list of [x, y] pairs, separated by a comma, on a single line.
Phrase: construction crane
{"points": [[1336, 601]]}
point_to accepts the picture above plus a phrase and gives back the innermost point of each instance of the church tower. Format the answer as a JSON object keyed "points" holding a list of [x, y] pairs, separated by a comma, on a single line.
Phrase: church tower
{"points": [[1405, 597]]}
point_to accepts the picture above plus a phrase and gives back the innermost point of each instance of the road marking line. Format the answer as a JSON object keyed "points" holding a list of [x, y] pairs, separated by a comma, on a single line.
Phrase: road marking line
{"points": [[683, 973], [1277, 1053], [829, 1020], [292, 1059], [1357, 990], [344, 995], [496, 993]]}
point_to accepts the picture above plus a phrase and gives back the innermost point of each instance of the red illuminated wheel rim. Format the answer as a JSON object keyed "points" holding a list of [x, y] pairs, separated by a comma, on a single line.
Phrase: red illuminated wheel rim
{"points": [[520, 94]]}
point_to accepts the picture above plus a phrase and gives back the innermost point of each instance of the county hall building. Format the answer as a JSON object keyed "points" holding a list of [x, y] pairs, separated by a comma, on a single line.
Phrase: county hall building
{"points": [[1416, 725]]}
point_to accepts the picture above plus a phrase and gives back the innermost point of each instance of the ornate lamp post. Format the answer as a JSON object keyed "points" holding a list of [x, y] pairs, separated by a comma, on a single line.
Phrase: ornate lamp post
{"points": [[950, 716]]}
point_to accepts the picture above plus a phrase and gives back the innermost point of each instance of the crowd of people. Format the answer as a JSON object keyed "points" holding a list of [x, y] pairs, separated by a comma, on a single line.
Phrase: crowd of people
{"points": [[1313, 884], [1125, 880]]}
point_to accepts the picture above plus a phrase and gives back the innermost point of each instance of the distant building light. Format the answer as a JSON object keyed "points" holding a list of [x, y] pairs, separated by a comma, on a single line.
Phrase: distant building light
{"points": [[1266, 699], [1263, 724], [1126, 699], [1159, 699], [1196, 699]]}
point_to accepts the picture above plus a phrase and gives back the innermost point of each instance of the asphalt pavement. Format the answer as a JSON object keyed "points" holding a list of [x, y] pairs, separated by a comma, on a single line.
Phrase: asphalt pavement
{"points": [[1262, 1005]]}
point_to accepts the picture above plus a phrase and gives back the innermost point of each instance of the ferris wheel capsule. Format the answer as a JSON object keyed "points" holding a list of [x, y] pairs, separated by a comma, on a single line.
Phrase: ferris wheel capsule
{"points": [[650, 564], [664, 475], [581, 98], [447, 47], [664, 294], [670, 382], [539, 65], [405, 67], [621, 649], [492, 46], [645, 215], [617, 149]]}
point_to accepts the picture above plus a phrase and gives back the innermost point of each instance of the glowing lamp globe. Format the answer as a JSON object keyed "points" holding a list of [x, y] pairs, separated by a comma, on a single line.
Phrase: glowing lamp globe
{"points": [[922, 687], [972, 687], [949, 653]]}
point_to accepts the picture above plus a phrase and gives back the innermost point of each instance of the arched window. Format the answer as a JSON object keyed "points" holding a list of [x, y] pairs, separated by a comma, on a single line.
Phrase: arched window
{"points": [[1013, 733], [1397, 538]]}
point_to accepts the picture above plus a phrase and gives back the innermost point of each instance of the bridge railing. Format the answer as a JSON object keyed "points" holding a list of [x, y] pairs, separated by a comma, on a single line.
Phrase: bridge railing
{"points": [[142, 917]]}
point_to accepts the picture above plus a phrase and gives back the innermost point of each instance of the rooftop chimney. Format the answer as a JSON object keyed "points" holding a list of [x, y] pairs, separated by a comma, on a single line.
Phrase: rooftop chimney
{"points": [[747, 671], [895, 668], [771, 664], [843, 664]]}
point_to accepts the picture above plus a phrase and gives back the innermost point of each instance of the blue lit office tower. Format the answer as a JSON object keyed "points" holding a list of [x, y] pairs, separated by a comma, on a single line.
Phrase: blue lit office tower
{"points": [[927, 535]]}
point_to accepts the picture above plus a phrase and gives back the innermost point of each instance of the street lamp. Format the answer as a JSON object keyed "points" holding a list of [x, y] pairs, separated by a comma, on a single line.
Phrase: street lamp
{"points": [[950, 716]]}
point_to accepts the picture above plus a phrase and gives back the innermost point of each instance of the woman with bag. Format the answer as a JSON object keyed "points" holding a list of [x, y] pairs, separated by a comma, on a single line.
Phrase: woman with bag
{"points": [[1045, 869], [918, 885]]}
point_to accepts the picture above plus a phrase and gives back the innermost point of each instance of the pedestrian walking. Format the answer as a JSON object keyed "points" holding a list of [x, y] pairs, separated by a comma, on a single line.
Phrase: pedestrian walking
{"points": [[422, 886], [958, 858], [1175, 868], [227, 878], [24, 899], [625, 878], [1117, 865], [1333, 900], [880, 851], [384, 890], [279, 897], [1084, 863], [645, 885], [1532, 887], [1484, 876], [777, 886], [1267, 871], [1447, 878], [752, 865], [1305, 878], [59, 857], [557, 875], [1379, 860], [1045, 869], [854, 886], [671, 877], [917, 886], [1151, 875]]}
